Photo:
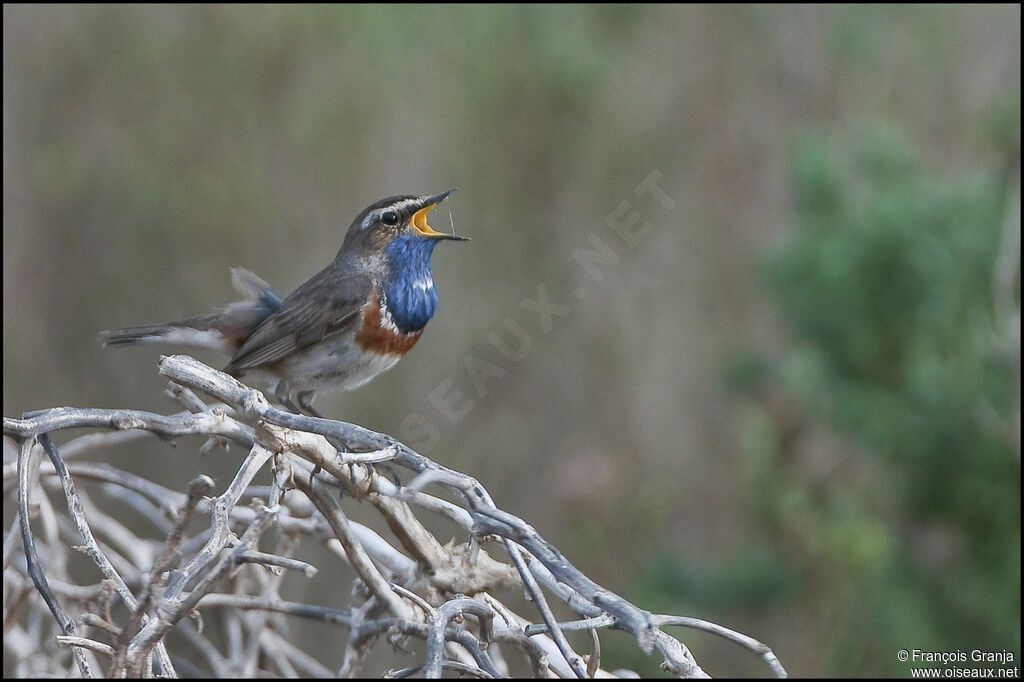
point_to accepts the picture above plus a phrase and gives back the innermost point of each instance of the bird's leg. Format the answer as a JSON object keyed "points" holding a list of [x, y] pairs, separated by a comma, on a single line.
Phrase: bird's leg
{"points": [[390, 472], [282, 397], [305, 400]]}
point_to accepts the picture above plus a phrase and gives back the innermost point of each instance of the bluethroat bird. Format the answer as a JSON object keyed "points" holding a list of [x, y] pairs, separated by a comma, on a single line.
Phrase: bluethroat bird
{"points": [[351, 321]]}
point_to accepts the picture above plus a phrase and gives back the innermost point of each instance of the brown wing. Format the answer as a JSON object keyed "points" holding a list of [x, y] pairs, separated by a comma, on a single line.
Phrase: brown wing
{"points": [[324, 305]]}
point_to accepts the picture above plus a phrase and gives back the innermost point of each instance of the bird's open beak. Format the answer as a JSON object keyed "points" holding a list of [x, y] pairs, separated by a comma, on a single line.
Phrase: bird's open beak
{"points": [[419, 219]]}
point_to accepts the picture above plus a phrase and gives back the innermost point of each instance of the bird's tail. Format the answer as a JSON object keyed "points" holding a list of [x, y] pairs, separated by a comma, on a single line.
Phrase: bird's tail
{"points": [[222, 331]]}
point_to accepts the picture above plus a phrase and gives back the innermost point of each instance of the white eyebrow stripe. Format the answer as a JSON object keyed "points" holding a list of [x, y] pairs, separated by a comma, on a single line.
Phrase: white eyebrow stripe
{"points": [[398, 206]]}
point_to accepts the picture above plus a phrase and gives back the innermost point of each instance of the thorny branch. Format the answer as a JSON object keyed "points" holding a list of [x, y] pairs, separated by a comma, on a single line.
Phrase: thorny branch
{"points": [[412, 586]]}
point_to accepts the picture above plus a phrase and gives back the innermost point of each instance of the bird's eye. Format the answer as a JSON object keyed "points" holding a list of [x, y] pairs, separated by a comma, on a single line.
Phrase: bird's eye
{"points": [[389, 218]]}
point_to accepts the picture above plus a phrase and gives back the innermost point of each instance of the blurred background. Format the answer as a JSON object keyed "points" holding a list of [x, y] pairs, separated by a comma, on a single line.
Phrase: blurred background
{"points": [[774, 377]]}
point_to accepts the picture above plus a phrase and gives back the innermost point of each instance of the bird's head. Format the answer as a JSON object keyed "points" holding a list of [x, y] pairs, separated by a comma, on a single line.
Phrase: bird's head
{"points": [[400, 217]]}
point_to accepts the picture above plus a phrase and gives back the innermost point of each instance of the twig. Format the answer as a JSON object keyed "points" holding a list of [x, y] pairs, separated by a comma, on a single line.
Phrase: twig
{"points": [[156, 628], [196, 490], [461, 668], [239, 601], [762, 650], [571, 657], [409, 583], [85, 643], [221, 514], [35, 571], [594, 660], [585, 624], [439, 622], [251, 557], [281, 647], [357, 556]]}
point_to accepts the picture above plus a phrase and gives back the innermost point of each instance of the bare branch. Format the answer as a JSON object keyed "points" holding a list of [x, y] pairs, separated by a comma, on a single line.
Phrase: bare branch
{"points": [[67, 626], [408, 583]]}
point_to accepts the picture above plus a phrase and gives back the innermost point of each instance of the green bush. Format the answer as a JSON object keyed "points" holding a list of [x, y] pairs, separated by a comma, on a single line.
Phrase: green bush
{"points": [[896, 355]]}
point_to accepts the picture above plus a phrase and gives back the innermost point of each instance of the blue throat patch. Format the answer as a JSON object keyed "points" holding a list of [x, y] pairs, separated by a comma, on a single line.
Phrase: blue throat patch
{"points": [[409, 284]]}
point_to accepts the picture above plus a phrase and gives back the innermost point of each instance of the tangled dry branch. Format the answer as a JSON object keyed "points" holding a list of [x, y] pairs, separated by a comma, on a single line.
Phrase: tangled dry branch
{"points": [[412, 587]]}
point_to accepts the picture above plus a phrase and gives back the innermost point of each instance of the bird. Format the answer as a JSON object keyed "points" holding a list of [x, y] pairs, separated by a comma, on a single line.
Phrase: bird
{"points": [[348, 323]]}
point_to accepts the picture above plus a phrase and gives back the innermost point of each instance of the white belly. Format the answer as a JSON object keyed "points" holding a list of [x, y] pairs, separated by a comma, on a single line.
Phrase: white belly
{"points": [[325, 367]]}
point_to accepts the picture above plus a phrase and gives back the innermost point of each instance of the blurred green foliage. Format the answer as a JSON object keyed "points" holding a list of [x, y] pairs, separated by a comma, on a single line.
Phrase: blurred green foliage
{"points": [[887, 285]]}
